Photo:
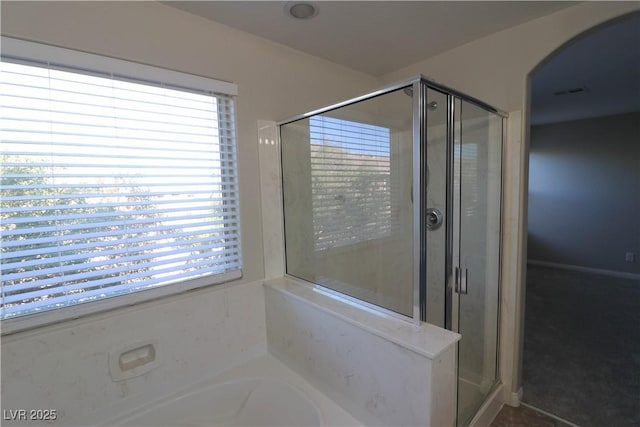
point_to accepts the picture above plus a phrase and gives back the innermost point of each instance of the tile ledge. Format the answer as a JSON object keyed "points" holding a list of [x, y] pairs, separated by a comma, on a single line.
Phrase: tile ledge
{"points": [[425, 339]]}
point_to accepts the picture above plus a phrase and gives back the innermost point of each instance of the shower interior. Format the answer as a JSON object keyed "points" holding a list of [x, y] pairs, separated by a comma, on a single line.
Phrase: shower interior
{"points": [[393, 199]]}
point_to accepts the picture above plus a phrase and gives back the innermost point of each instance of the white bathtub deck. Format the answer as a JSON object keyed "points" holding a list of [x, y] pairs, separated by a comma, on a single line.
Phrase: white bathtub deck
{"points": [[271, 367], [263, 367]]}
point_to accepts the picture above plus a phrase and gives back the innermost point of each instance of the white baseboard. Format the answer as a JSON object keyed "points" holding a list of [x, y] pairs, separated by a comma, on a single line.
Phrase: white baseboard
{"points": [[611, 273], [516, 398], [488, 411]]}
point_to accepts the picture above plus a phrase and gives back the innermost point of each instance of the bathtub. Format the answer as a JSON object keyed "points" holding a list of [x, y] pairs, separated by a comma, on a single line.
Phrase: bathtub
{"points": [[263, 392], [245, 402]]}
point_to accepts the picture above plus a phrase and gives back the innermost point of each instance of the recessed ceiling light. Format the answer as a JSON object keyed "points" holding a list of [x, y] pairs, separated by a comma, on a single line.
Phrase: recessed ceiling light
{"points": [[301, 9]]}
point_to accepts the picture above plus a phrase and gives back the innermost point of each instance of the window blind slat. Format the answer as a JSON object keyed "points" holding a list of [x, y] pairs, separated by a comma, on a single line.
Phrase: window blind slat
{"points": [[78, 136], [120, 220], [126, 195], [47, 246], [68, 299], [66, 186], [182, 148], [84, 289], [59, 231], [43, 260], [195, 203], [71, 273], [58, 94], [111, 186]]}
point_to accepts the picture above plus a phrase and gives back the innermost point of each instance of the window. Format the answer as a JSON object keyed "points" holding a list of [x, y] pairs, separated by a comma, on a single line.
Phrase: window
{"points": [[467, 153], [350, 181], [113, 181]]}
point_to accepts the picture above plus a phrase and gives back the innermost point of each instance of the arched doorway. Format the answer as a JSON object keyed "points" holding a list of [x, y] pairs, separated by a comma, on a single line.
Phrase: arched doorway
{"points": [[572, 320]]}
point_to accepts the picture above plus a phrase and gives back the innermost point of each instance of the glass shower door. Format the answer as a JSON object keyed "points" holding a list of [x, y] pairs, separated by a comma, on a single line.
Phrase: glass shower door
{"points": [[477, 152]]}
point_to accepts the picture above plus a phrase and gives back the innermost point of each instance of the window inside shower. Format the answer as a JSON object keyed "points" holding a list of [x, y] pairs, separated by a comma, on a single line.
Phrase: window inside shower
{"points": [[350, 182]]}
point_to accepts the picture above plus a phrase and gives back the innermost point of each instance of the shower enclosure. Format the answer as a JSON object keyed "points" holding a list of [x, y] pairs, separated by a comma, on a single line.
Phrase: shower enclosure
{"points": [[393, 199]]}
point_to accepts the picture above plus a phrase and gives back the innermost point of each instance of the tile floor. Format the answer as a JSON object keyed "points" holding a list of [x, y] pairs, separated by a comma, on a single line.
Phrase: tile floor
{"points": [[523, 416]]}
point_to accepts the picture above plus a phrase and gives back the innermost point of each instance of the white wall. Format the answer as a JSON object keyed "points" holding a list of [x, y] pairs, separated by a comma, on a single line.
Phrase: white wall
{"points": [[584, 192], [47, 368], [496, 70]]}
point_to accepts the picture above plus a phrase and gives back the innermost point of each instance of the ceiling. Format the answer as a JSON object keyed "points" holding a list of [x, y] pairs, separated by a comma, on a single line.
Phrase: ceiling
{"points": [[605, 64], [375, 37]]}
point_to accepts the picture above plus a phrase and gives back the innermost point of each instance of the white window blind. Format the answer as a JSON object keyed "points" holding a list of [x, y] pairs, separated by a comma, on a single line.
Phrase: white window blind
{"points": [[351, 181], [111, 185]]}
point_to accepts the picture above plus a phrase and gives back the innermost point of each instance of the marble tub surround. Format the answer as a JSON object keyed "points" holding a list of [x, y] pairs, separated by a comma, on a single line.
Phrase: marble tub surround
{"points": [[380, 369], [66, 367], [359, 366], [426, 339], [271, 198]]}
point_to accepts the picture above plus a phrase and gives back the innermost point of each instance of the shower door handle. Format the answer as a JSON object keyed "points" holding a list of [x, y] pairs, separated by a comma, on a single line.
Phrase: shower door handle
{"points": [[460, 280], [464, 280]]}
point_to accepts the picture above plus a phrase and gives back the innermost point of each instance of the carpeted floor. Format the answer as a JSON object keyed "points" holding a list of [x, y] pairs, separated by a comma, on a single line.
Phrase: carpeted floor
{"points": [[582, 347]]}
